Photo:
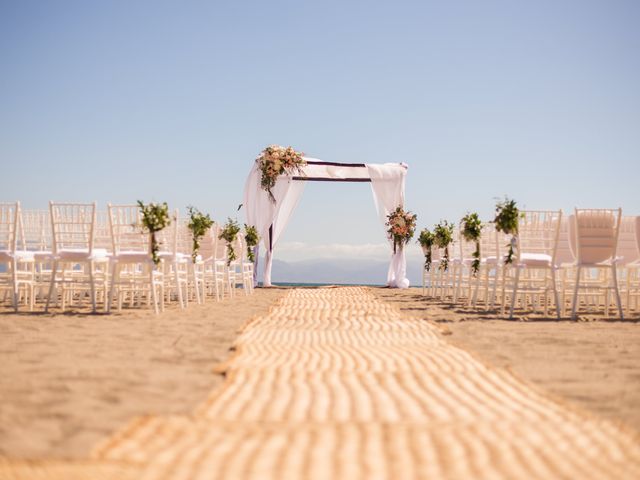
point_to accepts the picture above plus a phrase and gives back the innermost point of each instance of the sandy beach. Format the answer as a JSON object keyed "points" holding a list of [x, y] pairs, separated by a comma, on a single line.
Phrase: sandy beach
{"points": [[593, 363], [68, 381]]}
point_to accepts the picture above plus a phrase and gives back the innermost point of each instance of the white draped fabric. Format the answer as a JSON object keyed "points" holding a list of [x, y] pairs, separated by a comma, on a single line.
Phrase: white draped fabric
{"points": [[387, 183]]}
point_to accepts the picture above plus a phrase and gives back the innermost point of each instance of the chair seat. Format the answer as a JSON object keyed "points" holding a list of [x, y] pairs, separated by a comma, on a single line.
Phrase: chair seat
{"points": [[489, 261], [535, 260], [131, 257], [19, 255], [42, 255], [82, 255]]}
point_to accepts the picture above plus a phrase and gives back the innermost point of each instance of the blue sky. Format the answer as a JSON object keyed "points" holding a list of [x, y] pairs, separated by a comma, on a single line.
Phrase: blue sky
{"points": [[125, 100]]}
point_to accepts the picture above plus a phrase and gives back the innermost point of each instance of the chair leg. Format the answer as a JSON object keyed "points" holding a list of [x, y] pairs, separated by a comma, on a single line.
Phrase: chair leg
{"points": [[574, 303], [614, 275], [115, 277], [92, 286], [556, 296], [514, 293], [52, 284], [152, 286], [14, 283]]}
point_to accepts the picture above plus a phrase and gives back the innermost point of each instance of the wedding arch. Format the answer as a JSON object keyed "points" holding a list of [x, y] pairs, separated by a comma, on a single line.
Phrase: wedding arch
{"points": [[270, 214]]}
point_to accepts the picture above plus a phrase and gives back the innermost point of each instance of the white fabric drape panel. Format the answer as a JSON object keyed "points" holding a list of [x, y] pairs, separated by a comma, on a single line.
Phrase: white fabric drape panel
{"points": [[262, 212], [387, 185]]}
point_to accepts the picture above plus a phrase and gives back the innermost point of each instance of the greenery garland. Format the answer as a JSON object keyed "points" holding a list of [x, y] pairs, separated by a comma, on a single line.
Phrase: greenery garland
{"points": [[426, 240], [506, 221], [229, 233], [252, 239], [443, 236], [199, 224], [155, 217], [471, 230]]}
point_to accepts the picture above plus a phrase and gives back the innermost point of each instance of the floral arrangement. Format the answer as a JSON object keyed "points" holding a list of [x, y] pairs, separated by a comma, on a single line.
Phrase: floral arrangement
{"points": [[275, 161], [229, 233], [401, 226], [506, 221], [443, 236], [426, 240], [471, 230], [199, 224], [252, 238], [155, 217]]}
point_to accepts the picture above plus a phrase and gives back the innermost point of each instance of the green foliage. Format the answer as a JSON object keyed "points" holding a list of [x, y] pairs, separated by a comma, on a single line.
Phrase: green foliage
{"points": [[471, 230], [229, 234], [426, 240], [506, 221], [199, 224], [252, 238], [443, 236], [155, 217]]}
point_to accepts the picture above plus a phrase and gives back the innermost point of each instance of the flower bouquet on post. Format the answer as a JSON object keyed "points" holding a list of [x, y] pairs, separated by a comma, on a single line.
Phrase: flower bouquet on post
{"points": [[274, 161], [506, 221], [252, 239], [155, 217], [401, 226], [426, 240], [471, 229], [229, 234], [443, 236], [199, 224]]}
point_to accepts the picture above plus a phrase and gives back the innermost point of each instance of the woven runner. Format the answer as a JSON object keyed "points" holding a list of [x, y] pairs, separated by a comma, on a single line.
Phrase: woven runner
{"points": [[334, 384]]}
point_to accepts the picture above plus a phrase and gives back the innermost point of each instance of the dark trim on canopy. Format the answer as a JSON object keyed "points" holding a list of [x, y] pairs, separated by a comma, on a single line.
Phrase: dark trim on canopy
{"points": [[323, 179], [336, 164]]}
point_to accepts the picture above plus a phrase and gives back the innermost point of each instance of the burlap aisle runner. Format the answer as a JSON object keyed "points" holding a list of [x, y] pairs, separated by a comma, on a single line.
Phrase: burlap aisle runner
{"points": [[334, 384]]}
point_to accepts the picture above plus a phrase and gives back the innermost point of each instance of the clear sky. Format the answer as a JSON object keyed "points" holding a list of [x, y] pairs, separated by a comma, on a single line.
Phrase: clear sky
{"points": [[125, 100]]}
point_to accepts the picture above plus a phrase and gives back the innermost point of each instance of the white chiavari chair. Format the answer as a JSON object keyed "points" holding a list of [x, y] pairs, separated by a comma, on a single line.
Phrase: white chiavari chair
{"points": [[628, 258], [75, 263], [594, 241], [534, 265], [175, 254], [133, 274], [17, 276]]}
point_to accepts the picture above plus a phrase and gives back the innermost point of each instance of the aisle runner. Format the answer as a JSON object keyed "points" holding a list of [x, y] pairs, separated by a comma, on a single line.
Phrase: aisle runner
{"points": [[335, 384]]}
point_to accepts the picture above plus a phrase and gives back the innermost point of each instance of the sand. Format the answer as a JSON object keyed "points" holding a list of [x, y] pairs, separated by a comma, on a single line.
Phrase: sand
{"points": [[68, 381], [593, 363]]}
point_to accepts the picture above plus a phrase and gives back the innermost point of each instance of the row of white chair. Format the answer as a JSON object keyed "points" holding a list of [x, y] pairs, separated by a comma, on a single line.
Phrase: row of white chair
{"points": [[72, 252], [587, 261]]}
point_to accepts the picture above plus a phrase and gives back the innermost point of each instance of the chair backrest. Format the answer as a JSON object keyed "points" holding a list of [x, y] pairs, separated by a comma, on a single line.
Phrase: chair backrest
{"points": [[168, 237], [9, 226], [127, 232], [627, 248], [37, 230], [538, 232], [102, 236], [208, 245], [489, 242], [594, 237], [73, 226], [564, 255]]}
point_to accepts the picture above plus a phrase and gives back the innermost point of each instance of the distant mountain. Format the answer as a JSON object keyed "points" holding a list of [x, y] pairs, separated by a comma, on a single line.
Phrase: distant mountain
{"points": [[357, 271]]}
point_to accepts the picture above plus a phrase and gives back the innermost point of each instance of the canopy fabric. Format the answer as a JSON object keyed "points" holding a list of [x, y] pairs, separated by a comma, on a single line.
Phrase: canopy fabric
{"points": [[270, 219]]}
